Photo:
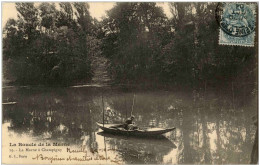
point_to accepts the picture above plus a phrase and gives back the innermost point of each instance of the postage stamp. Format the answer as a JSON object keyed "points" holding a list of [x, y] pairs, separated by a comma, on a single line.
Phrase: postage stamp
{"points": [[237, 23], [225, 39]]}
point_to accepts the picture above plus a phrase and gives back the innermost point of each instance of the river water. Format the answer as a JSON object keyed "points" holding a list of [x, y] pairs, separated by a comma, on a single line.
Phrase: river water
{"points": [[211, 127]]}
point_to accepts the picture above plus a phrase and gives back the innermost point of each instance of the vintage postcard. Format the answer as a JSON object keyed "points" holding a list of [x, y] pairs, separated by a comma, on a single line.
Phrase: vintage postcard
{"points": [[129, 83]]}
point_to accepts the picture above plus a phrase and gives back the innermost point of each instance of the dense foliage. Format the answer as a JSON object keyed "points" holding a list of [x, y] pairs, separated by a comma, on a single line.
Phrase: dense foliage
{"points": [[50, 46], [142, 45], [134, 35]]}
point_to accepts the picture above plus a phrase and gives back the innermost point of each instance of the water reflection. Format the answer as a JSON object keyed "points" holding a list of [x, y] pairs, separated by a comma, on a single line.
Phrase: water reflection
{"points": [[209, 129], [139, 150]]}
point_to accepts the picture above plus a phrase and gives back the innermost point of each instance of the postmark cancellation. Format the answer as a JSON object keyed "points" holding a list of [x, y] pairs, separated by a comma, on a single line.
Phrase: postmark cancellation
{"points": [[237, 23], [225, 39]]}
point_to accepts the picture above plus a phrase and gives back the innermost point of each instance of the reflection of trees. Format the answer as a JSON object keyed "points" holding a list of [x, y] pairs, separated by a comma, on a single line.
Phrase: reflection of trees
{"points": [[53, 112], [88, 128], [206, 146], [187, 154], [149, 107], [139, 151], [254, 153], [210, 129], [20, 120]]}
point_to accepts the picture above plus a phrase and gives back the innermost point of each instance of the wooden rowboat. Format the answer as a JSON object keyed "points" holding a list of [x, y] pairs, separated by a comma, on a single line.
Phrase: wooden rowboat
{"points": [[116, 129]]}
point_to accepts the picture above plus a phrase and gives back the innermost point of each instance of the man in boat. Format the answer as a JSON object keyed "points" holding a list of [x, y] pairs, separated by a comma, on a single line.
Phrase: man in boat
{"points": [[129, 124]]}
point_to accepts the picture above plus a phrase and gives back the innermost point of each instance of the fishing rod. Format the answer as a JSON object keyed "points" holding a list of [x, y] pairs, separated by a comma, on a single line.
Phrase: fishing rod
{"points": [[125, 109], [133, 105], [103, 110]]}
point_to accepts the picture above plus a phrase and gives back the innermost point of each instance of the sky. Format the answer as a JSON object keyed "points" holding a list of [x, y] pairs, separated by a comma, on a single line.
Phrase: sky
{"points": [[96, 9]]}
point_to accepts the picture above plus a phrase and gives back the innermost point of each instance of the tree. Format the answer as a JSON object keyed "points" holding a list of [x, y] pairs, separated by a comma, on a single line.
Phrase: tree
{"points": [[49, 46], [133, 34], [193, 56]]}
